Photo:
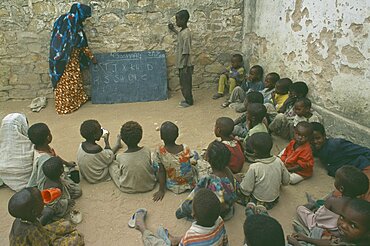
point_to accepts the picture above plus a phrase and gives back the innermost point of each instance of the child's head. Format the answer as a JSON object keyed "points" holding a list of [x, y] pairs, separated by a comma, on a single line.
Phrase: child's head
{"points": [[302, 107], [131, 133], [354, 221], [351, 182], [256, 112], [218, 155], [182, 18], [53, 168], [263, 230], [224, 127], [91, 130], [26, 204], [237, 61], [253, 97], [282, 86], [303, 132], [169, 132], [39, 134], [261, 143], [319, 135], [255, 73], [298, 90], [206, 207], [270, 80]]}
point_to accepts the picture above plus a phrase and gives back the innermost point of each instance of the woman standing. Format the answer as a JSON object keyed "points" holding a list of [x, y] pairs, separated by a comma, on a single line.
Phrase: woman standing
{"points": [[16, 152], [69, 52]]}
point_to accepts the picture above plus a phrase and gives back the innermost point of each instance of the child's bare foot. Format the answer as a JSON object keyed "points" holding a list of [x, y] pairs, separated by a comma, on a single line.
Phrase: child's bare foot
{"points": [[140, 220]]}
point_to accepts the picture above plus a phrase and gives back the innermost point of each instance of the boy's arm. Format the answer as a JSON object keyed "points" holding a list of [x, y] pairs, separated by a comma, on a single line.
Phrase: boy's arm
{"points": [[118, 144], [247, 184], [294, 238], [241, 119], [285, 175], [158, 196], [89, 54], [335, 204]]}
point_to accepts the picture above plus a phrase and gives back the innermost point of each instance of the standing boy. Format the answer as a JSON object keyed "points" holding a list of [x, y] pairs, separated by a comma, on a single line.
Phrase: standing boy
{"points": [[183, 56]]}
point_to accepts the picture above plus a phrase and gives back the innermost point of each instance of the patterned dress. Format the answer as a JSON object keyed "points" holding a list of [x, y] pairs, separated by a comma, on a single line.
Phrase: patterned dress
{"points": [[69, 93]]}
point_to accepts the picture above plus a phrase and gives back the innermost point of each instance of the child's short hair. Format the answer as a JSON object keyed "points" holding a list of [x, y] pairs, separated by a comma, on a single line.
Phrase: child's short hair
{"points": [[285, 84], [259, 70], [257, 110], [183, 15], [226, 125], [169, 132], [53, 168], [363, 207], [318, 127], [38, 133], [261, 142], [24, 203], [263, 230], [218, 155], [354, 182], [275, 77], [89, 128], [206, 207], [299, 88], [239, 57], [254, 97], [131, 133], [306, 102], [306, 125]]}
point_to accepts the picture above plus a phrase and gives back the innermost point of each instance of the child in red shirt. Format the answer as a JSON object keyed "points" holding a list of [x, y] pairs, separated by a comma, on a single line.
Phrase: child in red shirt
{"points": [[297, 156]]}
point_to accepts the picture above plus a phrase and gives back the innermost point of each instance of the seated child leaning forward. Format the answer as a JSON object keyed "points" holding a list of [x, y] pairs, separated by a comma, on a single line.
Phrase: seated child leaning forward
{"points": [[261, 184], [337, 152], [223, 129], [221, 182], [297, 156], [26, 206], [232, 76], [41, 137], [207, 229], [353, 225], [349, 182], [92, 160], [133, 171], [59, 208], [176, 163]]}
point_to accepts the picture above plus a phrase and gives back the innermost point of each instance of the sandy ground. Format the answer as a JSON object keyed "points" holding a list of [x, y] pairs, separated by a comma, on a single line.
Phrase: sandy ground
{"points": [[106, 210]]}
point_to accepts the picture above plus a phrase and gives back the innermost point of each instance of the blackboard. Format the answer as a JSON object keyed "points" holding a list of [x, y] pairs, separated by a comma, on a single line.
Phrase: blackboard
{"points": [[129, 77]]}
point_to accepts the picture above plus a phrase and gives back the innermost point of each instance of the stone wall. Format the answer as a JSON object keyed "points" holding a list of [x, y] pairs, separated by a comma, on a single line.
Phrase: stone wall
{"points": [[115, 25], [324, 43]]}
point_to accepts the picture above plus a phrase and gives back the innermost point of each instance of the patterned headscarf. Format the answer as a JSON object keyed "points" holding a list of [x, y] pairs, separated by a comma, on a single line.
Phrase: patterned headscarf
{"points": [[67, 34]]}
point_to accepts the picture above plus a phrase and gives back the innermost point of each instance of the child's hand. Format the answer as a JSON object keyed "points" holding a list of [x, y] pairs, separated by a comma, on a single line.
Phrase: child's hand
{"points": [[106, 136], [299, 237], [239, 177], [171, 27], [158, 196], [118, 142], [71, 164], [292, 240]]}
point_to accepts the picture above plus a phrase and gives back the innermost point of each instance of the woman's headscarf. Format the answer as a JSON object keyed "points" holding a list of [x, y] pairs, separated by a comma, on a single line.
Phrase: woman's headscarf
{"points": [[16, 151], [67, 34]]}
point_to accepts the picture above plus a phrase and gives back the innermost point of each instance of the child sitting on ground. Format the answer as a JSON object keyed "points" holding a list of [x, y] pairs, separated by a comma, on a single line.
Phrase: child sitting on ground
{"points": [[26, 206], [92, 160], [223, 129], [53, 170], [133, 171], [337, 152], [281, 93], [240, 124], [349, 182], [353, 225], [282, 121], [253, 83], [261, 184], [269, 83], [232, 76], [207, 229], [221, 182], [297, 156], [176, 163], [41, 137]]}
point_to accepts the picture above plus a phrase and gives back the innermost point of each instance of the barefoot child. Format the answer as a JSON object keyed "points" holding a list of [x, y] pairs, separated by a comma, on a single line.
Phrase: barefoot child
{"points": [[26, 206], [92, 160], [133, 171], [184, 56], [297, 156], [221, 182], [207, 229], [223, 129], [232, 76], [261, 184], [177, 165]]}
